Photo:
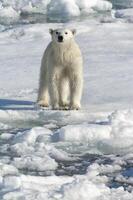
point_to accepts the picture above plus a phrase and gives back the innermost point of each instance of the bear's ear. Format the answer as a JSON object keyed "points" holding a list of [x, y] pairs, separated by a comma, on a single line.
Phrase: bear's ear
{"points": [[51, 31], [73, 31]]}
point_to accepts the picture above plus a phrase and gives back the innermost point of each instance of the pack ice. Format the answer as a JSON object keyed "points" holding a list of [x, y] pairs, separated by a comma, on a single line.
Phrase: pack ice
{"points": [[11, 11], [55, 155]]}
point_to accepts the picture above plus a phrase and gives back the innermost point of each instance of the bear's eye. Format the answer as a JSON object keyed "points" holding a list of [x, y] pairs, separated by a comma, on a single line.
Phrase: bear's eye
{"points": [[57, 32], [66, 33]]}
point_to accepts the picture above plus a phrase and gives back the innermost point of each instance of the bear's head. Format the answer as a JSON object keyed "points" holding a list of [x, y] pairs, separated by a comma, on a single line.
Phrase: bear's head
{"points": [[61, 36]]}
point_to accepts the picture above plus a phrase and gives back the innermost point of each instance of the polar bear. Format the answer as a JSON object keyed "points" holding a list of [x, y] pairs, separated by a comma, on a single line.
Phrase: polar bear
{"points": [[61, 74]]}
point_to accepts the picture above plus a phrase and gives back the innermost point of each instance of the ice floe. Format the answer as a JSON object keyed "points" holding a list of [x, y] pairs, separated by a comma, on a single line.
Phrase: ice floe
{"points": [[113, 137]]}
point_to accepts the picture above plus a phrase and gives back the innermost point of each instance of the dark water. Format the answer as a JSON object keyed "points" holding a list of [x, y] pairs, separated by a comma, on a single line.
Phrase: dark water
{"points": [[122, 4]]}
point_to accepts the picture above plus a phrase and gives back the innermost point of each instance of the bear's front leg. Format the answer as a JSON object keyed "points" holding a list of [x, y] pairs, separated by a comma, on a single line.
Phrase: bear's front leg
{"points": [[63, 92], [76, 84], [53, 90], [43, 97]]}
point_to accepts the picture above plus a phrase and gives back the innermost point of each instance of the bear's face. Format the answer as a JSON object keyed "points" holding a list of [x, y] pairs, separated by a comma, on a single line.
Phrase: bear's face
{"points": [[61, 36]]}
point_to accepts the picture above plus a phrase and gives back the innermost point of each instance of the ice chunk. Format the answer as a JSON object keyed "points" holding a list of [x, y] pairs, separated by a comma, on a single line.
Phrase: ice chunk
{"points": [[58, 154], [35, 163], [7, 170], [2, 28], [13, 196], [96, 4], [103, 169], [29, 8], [20, 149], [64, 8], [31, 135], [114, 137], [35, 7], [84, 133], [12, 182], [80, 189], [8, 15], [121, 137], [85, 4], [124, 117], [6, 136], [103, 5], [4, 126]]}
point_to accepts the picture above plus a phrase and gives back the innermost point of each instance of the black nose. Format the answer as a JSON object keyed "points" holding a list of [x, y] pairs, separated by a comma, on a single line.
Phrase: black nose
{"points": [[60, 38]]}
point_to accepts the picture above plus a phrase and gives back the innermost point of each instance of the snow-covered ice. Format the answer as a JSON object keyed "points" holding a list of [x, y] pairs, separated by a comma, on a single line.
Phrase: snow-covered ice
{"points": [[66, 155]]}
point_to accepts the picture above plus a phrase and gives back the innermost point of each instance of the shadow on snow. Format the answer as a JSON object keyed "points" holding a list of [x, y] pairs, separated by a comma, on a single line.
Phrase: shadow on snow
{"points": [[12, 104]]}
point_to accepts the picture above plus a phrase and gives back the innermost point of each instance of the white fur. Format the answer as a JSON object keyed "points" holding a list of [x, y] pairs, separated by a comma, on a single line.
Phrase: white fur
{"points": [[61, 74]]}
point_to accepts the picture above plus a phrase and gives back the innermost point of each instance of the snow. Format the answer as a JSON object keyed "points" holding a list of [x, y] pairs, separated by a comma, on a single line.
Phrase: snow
{"points": [[66, 155]]}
